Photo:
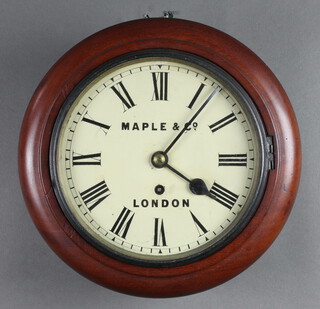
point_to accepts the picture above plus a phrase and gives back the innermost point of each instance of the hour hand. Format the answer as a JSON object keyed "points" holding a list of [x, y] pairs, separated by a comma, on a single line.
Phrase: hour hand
{"points": [[197, 186]]}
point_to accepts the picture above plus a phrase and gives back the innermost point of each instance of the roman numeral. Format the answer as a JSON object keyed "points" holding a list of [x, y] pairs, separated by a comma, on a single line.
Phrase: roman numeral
{"points": [[102, 126], [222, 122], [160, 85], [123, 95], [201, 229], [93, 196], [196, 96], [223, 196], [90, 159], [159, 234], [123, 222], [233, 159]]}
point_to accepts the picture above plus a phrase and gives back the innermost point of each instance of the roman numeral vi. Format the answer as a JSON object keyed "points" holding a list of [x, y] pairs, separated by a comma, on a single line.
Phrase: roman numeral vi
{"points": [[159, 234]]}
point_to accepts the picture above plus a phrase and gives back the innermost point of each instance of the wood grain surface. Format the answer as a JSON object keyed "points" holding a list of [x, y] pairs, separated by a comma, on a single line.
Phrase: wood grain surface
{"points": [[219, 48]]}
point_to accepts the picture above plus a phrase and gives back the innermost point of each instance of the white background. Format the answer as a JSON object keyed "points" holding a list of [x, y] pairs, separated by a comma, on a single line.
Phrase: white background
{"points": [[34, 34]]}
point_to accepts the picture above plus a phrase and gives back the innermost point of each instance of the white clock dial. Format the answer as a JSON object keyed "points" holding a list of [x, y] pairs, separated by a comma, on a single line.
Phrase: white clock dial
{"points": [[140, 186]]}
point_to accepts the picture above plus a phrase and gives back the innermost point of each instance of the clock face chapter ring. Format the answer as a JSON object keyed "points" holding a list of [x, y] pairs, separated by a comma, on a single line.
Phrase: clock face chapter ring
{"points": [[121, 146], [142, 91]]}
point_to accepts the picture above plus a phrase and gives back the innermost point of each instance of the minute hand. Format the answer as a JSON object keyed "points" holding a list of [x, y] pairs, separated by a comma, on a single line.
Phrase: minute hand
{"points": [[192, 119]]}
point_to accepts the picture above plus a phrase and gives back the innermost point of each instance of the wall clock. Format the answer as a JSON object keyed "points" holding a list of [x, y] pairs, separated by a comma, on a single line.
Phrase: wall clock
{"points": [[159, 157]]}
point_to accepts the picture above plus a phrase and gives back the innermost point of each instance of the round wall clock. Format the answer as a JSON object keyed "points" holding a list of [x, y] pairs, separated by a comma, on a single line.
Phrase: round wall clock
{"points": [[157, 154]]}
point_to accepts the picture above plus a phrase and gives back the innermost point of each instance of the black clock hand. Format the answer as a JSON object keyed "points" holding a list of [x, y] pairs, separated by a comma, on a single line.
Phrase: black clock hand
{"points": [[197, 186], [192, 119]]}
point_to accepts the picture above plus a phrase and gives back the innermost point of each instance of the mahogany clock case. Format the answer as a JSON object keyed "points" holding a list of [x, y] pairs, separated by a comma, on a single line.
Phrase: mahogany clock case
{"points": [[223, 51]]}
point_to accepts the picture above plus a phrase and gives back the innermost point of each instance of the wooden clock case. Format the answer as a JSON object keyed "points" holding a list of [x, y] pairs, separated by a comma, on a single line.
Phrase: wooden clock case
{"points": [[215, 46]]}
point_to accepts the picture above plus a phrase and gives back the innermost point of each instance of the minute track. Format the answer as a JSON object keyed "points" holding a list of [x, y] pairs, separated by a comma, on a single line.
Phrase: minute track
{"points": [[134, 217]]}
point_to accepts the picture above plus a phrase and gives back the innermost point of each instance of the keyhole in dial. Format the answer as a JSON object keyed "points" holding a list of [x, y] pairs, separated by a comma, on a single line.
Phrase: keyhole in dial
{"points": [[159, 189]]}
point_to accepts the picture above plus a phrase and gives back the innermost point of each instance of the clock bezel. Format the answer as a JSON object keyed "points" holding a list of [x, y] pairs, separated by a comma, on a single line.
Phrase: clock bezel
{"points": [[246, 103], [250, 72]]}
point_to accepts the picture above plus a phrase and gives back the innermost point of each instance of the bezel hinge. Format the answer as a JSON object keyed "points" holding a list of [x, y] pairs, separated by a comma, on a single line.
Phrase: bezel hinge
{"points": [[270, 153]]}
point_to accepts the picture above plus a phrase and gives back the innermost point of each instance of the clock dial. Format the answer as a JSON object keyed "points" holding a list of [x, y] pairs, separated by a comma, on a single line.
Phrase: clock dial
{"points": [[158, 158]]}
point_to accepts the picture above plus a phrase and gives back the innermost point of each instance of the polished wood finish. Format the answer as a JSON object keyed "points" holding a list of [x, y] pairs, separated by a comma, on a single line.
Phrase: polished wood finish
{"points": [[247, 69]]}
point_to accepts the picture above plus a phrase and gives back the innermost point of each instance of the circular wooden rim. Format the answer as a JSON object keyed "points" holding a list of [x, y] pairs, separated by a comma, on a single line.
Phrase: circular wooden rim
{"points": [[219, 48]]}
